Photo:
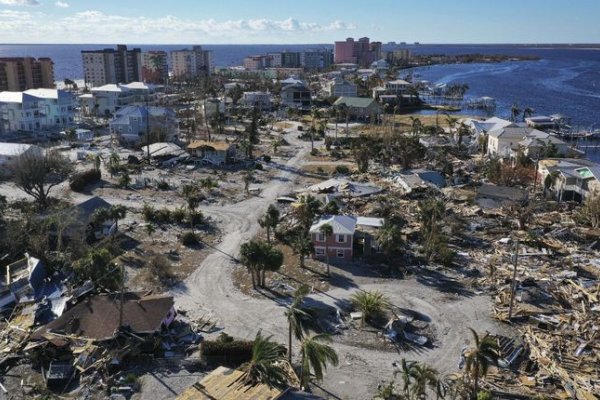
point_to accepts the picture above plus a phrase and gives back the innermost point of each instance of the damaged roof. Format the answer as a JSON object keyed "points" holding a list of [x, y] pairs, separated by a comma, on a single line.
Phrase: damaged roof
{"points": [[225, 383], [97, 317]]}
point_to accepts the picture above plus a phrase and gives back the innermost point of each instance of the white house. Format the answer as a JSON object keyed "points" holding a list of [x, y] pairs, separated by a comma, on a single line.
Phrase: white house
{"points": [[36, 110], [338, 87], [132, 123], [504, 141], [261, 100], [107, 99], [11, 151]]}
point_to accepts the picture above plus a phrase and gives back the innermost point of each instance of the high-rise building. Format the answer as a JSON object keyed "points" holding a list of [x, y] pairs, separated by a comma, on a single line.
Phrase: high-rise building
{"points": [[191, 63], [360, 52], [120, 65], [316, 58], [290, 59], [18, 74], [155, 68]]}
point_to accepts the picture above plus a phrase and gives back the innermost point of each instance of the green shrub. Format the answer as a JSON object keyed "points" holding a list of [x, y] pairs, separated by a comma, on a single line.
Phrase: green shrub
{"points": [[258, 166], [148, 213], [227, 352], [189, 239], [314, 152], [484, 395], [124, 181], [196, 217], [178, 215], [266, 158], [163, 185], [342, 169], [163, 216], [80, 180]]}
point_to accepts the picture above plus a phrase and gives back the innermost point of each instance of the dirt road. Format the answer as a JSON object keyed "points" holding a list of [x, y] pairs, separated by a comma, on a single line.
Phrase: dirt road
{"points": [[209, 291]]}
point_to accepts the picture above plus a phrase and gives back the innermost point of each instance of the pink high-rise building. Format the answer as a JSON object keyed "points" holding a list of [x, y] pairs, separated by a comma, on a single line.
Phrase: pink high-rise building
{"points": [[360, 52]]}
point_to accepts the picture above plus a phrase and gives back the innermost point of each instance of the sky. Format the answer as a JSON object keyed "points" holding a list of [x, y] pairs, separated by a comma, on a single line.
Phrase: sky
{"points": [[302, 22]]}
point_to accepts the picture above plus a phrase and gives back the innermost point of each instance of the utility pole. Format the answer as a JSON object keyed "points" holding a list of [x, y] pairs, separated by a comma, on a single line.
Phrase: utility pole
{"points": [[515, 259], [121, 301], [147, 132]]}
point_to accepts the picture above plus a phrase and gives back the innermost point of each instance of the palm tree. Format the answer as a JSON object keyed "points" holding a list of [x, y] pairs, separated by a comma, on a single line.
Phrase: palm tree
{"points": [[527, 112], [315, 115], [479, 358], [302, 245], [316, 354], [250, 254], [416, 125], [389, 238], [326, 230], [423, 376], [247, 178], [406, 373], [370, 304], [463, 130], [266, 365], [294, 315], [514, 112], [191, 193], [307, 208], [270, 220], [106, 214]]}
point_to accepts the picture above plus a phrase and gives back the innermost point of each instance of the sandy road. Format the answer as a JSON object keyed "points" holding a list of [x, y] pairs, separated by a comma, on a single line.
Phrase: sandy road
{"points": [[209, 291]]}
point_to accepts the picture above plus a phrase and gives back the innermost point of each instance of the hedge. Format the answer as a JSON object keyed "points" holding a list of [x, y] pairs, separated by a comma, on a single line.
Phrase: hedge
{"points": [[80, 180]]}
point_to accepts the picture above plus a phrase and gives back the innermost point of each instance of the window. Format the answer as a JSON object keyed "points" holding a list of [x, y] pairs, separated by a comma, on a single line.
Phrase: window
{"points": [[341, 238], [320, 237], [319, 251], [340, 253]]}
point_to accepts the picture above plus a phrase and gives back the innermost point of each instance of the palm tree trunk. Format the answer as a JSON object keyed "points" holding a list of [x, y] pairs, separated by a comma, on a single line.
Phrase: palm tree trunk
{"points": [[327, 258], [268, 234], [253, 279], [263, 280], [476, 381]]}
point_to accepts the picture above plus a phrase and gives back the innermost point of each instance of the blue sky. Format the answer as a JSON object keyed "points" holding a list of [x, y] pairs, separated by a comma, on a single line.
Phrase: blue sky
{"points": [[306, 21]]}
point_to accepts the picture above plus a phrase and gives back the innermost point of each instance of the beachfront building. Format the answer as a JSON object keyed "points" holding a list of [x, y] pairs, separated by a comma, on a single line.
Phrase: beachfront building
{"points": [[120, 65], [338, 87], [506, 141], [399, 56], [107, 99], [260, 100], [191, 64], [361, 52], [18, 74], [132, 124], [213, 153], [155, 67], [36, 111], [316, 59]]}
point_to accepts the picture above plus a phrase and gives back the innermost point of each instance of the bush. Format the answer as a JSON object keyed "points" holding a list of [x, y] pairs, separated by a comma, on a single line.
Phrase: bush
{"points": [[163, 216], [342, 169], [148, 213], [163, 185], [80, 180], [266, 158], [484, 395], [190, 239], [196, 217], [258, 166], [178, 215], [314, 152], [227, 352]]}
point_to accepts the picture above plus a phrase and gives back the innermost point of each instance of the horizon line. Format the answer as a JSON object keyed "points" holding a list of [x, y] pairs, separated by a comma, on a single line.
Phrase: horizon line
{"points": [[315, 44]]}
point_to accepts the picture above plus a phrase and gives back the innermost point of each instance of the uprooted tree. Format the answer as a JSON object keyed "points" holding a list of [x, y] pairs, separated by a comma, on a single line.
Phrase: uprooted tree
{"points": [[36, 173]]}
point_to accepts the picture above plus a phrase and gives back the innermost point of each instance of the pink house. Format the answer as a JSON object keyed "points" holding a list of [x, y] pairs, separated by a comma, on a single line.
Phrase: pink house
{"points": [[339, 244]]}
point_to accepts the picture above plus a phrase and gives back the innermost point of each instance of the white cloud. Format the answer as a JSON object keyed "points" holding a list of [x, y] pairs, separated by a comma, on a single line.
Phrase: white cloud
{"points": [[62, 4], [19, 2], [94, 26]]}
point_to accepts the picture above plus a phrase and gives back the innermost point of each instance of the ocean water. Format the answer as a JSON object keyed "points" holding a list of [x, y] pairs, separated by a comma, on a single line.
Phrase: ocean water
{"points": [[564, 80]]}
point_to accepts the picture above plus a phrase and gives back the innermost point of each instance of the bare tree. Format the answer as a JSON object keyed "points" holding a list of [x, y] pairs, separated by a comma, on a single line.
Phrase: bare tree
{"points": [[36, 173]]}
